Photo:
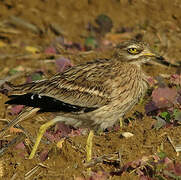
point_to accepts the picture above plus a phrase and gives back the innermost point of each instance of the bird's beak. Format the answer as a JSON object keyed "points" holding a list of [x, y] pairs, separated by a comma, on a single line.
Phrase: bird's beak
{"points": [[156, 57], [161, 60], [149, 54]]}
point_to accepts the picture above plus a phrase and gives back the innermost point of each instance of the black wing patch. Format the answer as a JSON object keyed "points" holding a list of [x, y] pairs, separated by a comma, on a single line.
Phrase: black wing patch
{"points": [[46, 104]]}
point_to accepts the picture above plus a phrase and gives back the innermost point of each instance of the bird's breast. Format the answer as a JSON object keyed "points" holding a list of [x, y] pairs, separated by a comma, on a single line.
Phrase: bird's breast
{"points": [[127, 91]]}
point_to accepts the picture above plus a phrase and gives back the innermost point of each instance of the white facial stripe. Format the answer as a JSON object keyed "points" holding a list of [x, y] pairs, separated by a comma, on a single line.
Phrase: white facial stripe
{"points": [[132, 46]]}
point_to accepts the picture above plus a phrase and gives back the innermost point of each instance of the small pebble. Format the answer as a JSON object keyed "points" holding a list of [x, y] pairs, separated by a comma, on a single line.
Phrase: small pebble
{"points": [[127, 134]]}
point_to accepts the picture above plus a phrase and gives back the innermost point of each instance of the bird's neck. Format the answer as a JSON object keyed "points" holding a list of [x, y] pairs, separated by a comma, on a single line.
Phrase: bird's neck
{"points": [[118, 63]]}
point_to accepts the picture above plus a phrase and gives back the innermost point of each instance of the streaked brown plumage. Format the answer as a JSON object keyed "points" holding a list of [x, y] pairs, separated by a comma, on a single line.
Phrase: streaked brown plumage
{"points": [[93, 94]]}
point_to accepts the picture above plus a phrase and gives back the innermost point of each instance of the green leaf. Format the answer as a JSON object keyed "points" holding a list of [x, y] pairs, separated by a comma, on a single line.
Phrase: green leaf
{"points": [[160, 123], [91, 43], [36, 77], [161, 155], [12, 71], [166, 116], [105, 23], [177, 115]]}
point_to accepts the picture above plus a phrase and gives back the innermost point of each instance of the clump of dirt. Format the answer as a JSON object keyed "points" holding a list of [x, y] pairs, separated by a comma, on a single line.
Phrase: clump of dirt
{"points": [[28, 28]]}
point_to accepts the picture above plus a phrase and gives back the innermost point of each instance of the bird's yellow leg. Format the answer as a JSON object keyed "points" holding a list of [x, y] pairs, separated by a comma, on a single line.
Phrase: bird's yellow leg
{"points": [[42, 130], [121, 123], [141, 100], [89, 145]]}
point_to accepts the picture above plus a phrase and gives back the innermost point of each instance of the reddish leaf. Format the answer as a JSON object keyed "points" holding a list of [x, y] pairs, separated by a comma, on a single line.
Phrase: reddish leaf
{"points": [[150, 107], [151, 81], [176, 79], [178, 168], [167, 161], [63, 129], [44, 154], [50, 136], [16, 109], [50, 50], [20, 146], [173, 167], [62, 64], [164, 97]]}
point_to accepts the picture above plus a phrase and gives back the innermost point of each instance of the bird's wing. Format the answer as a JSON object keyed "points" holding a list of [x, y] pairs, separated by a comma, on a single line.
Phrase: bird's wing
{"points": [[81, 86]]}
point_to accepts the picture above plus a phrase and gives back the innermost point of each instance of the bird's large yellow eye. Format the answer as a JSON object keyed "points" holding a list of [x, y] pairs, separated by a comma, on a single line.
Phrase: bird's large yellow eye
{"points": [[133, 51]]}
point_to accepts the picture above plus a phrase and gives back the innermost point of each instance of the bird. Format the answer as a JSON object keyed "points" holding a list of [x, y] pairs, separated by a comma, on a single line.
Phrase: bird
{"points": [[93, 95]]}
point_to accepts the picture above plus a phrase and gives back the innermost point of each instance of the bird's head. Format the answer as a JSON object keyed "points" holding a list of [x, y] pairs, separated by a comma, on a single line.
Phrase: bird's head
{"points": [[134, 52]]}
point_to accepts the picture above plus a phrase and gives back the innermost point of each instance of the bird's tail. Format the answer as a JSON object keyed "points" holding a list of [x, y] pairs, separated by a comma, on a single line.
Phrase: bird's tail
{"points": [[9, 89]]}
